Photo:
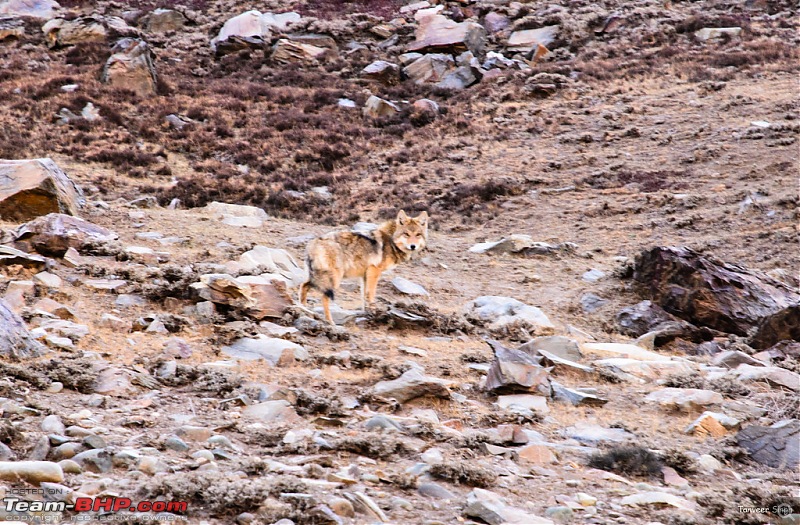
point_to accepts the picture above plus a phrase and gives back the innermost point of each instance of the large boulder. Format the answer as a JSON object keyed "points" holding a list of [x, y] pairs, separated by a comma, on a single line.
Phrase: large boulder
{"points": [[437, 33], [16, 341], [41, 9], [131, 67], [708, 292], [777, 446], [31, 188], [55, 233]]}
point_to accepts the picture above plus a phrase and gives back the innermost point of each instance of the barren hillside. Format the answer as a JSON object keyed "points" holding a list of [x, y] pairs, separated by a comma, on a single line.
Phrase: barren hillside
{"points": [[162, 358]]}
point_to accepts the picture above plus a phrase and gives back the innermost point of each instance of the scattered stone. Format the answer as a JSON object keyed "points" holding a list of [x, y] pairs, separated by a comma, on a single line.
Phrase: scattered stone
{"points": [[55, 233], [258, 296], [408, 287], [382, 71], [276, 352], [593, 275], [537, 454], [36, 187], [711, 33], [61, 32], [290, 51], [432, 68], [238, 214], [9, 256], [492, 509], [575, 397], [163, 21], [11, 27], [33, 472], [774, 375], [95, 460], [644, 371], [624, 350], [712, 424], [363, 504], [516, 370], [657, 498], [278, 411], [435, 491], [525, 404], [554, 345], [47, 280], [40, 9], [17, 342], [250, 29], [503, 313], [686, 399], [131, 67], [105, 284], [412, 384], [591, 433], [495, 22], [376, 107], [52, 425], [261, 259], [520, 244], [560, 514]]}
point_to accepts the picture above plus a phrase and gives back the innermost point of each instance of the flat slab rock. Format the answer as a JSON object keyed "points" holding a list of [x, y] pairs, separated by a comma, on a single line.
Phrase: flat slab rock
{"points": [[777, 446]]}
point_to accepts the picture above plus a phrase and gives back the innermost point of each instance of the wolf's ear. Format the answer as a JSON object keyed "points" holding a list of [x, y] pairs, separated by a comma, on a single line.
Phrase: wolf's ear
{"points": [[402, 218], [422, 218]]}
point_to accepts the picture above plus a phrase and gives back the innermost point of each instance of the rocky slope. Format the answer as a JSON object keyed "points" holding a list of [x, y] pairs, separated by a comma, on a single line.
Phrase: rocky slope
{"points": [[558, 365]]}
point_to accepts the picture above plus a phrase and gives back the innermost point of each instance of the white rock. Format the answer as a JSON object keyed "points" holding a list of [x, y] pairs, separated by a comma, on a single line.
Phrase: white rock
{"points": [[408, 287]]}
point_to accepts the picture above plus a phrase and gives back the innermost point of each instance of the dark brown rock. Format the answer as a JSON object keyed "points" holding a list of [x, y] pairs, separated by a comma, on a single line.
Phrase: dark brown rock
{"points": [[708, 292], [783, 325]]}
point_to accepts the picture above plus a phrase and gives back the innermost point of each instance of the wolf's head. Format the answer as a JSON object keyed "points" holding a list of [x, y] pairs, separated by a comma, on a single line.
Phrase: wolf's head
{"points": [[411, 233]]}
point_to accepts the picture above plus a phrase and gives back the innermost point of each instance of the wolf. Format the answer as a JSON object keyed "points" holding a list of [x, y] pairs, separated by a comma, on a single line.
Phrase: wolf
{"points": [[348, 254]]}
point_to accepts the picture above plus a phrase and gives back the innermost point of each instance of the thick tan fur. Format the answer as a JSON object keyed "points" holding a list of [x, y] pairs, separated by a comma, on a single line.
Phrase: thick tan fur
{"points": [[348, 254]]}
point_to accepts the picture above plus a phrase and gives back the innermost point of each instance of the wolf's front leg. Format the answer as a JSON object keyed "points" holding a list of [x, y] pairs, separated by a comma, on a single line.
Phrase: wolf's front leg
{"points": [[364, 292], [373, 274]]}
